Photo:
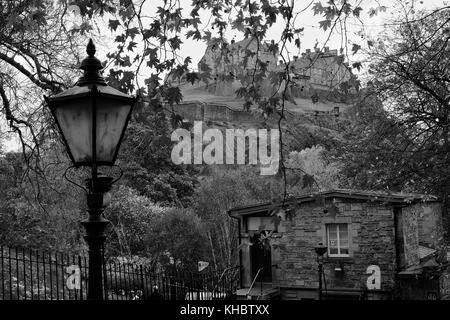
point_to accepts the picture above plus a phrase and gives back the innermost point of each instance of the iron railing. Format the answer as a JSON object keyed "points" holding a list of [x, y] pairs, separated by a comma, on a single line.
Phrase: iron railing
{"points": [[253, 283], [27, 274]]}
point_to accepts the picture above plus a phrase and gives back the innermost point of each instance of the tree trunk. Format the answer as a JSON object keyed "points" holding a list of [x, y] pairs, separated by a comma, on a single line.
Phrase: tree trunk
{"points": [[212, 249]]}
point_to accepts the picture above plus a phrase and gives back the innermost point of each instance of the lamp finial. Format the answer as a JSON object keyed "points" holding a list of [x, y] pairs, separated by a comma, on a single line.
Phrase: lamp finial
{"points": [[91, 67], [90, 49]]}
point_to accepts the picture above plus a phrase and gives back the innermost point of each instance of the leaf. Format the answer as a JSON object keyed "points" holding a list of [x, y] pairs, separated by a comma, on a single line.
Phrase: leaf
{"points": [[372, 12], [325, 24], [355, 48], [192, 77], [125, 61], [357, 65], [120, 38], [85, 27], [175, 42], [187, 60], [131, 46], [318, 8], [273, 47], [113, 24], [195, 34], [152, 54], [357, 11], [270, 12], [207, 36], [133, 32], [173, 95]]}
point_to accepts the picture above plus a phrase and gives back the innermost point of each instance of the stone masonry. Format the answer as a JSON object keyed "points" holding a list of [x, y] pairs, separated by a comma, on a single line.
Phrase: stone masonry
{"points": [[376, 228]]}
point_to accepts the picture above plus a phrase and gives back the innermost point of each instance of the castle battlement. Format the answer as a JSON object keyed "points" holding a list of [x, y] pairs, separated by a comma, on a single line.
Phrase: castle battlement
{"points": [[318, 52]]}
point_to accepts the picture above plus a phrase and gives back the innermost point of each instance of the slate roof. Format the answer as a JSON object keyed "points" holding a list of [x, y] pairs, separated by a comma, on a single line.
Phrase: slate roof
{"points": [[362, 195]]}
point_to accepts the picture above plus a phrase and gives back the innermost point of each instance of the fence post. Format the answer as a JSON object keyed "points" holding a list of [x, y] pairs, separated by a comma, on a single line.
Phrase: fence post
{"points": [[81, 278], [142, 282], [105, 279]]}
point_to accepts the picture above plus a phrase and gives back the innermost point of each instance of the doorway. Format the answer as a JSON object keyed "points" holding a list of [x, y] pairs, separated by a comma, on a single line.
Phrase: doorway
{"points": [[260, 257]]}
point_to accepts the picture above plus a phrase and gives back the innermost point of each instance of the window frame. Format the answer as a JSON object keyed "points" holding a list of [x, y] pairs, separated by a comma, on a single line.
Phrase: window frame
{"points": [[339, 254]]}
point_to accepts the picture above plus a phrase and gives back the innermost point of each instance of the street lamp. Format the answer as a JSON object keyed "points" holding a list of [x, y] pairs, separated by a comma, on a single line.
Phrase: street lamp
{"points": [[92, 118], [320, 251]]}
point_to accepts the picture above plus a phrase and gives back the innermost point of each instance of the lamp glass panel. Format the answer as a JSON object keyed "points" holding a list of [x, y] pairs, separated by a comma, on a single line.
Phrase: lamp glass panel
{"points": [[75, 121], [111, 120]]}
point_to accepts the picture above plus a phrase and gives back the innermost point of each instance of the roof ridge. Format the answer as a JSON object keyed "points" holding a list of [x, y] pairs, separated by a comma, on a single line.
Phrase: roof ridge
{"points": [[350, 193]]}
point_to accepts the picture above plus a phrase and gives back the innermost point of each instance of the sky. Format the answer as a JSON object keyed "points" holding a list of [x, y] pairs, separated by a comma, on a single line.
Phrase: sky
{"points": [[312, 33]]}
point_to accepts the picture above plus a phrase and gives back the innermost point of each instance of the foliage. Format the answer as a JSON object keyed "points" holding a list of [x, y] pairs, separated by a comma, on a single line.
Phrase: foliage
{"points": [[131, 216], [177, 237], [145, 158], [401, 139], [50, 222], [221, 190], [38, 54], [314, 170]]}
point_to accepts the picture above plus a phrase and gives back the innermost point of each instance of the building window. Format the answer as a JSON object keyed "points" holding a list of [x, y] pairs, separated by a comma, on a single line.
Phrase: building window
{"points": [[337, 239]]}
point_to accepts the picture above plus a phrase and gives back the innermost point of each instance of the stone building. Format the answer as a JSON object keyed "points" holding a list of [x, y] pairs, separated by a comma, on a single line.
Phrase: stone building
{"points": [[374, 242], [237, 57], [324, 69], [320, 72]]}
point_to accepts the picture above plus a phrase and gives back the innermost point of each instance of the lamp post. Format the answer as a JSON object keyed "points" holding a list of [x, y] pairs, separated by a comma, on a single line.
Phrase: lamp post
{"points": [[92, 118], [320, 251]]}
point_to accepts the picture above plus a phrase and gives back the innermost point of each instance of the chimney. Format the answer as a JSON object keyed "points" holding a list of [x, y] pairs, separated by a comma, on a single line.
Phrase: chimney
{"points": [[327, 49], [295, 58], [308, 51]]}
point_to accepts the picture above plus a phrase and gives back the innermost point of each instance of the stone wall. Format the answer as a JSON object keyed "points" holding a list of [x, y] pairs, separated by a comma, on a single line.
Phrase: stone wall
{"points": [[384, 234], [190, 110], [371, 232], [198, 111]]}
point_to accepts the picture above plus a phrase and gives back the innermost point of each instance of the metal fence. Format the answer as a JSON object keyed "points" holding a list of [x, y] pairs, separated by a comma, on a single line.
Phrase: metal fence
{"points": [[32, 275]]}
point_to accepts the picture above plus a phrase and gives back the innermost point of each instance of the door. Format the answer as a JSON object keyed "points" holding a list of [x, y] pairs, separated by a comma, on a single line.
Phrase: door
{"points": [[260, 257]]}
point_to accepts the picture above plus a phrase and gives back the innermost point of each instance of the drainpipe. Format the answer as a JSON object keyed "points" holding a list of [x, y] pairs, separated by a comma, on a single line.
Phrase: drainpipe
{"points": [[239, 246], [397, 260], [397, 212]]}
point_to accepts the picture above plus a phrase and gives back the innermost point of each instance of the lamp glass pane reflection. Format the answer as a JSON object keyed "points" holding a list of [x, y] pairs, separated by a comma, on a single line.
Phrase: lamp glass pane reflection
{"points": [[75, 122], [110, 123]]}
